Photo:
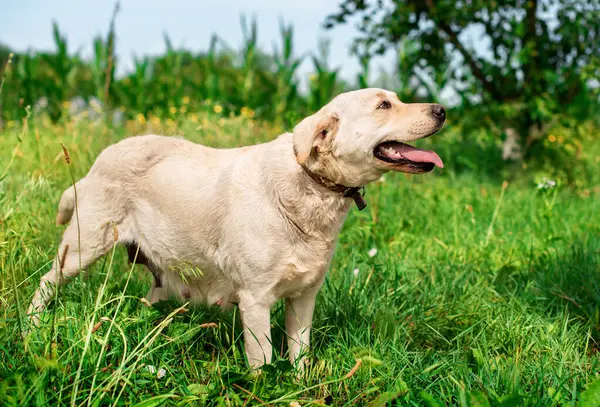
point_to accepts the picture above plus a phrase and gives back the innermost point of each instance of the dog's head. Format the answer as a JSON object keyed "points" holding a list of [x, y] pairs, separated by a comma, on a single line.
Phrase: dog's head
{"points": [[360, 135]]}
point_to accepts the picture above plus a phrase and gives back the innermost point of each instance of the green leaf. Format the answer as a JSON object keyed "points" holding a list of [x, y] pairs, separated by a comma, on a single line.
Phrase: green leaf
{"points": [[477, 354], [429, 400], [591, 396], [196, 388], [511, 400], [154, 401], [478, 399], [385, 398]]}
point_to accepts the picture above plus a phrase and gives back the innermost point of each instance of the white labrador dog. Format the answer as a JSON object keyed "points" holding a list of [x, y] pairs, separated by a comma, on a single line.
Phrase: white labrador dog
{"points": [[259, 222]]}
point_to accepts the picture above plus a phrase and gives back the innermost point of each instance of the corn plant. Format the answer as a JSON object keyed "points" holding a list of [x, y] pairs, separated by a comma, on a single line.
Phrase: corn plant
{"points": [[248, 59], [63, 69], [286, 66], [171, 83], [28, 67], [211, 81], [135, 90], [324, 83], [223, 79]]}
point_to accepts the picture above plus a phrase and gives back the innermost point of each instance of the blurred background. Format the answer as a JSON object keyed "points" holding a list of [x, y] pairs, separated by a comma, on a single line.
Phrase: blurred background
{"points": [[520, 77]]}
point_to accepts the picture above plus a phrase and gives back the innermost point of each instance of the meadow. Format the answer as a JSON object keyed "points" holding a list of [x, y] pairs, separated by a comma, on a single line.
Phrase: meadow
{"points": [[457, 287], [474, 285]]}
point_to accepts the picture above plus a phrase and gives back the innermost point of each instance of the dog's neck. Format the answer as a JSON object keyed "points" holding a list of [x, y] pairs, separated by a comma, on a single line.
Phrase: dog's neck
{"points": [[315, 208], [310, 207], [356, 193]]}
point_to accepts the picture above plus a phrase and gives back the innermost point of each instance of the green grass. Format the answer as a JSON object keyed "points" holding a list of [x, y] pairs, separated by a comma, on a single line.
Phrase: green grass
{"points": [[475, 295]]}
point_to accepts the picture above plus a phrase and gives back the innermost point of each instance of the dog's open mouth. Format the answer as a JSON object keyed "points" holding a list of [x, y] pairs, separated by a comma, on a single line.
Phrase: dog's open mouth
{"points": [[407, 158]]}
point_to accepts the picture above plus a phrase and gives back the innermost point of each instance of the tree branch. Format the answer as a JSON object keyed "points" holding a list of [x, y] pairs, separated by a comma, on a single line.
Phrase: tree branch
{"points": [[477, 72], [529, 35], [469, 59], [421, 79]]}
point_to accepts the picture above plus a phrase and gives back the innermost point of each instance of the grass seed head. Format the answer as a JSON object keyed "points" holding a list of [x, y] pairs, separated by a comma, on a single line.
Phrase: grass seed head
{"points": [[66, 153]]}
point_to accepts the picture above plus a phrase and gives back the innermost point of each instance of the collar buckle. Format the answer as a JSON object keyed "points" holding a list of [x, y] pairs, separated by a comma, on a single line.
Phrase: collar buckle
{"points": [[356, 193]]}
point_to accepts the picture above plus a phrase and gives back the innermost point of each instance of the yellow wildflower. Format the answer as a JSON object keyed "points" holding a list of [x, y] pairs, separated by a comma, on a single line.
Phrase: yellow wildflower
{"points": [[217, 108], [65, 104], [155, 120], [173, 109], [552, 138], [185, 100], [194, 118], [183, 109], [140, 118]]}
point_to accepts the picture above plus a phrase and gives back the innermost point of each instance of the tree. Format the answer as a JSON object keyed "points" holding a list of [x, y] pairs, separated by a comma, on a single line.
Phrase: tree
{"points": [[541, 59]]}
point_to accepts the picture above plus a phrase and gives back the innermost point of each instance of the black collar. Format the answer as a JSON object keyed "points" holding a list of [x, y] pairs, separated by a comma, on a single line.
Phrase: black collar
{"points": [[347, 192]]}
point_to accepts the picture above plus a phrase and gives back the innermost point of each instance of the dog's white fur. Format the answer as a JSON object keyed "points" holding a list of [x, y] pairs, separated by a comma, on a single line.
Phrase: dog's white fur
{"points": [[250, 219]]}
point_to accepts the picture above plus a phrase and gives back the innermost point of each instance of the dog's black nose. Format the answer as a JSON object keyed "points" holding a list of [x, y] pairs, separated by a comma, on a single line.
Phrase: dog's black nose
{"points": [[438, 112]]}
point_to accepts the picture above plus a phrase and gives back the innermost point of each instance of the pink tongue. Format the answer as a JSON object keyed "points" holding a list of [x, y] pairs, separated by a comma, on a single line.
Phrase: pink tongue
{"points": [[420, 156]]}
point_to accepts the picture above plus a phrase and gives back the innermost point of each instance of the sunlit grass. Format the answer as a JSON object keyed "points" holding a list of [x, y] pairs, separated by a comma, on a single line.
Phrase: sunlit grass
{"points": [[471, 289]]}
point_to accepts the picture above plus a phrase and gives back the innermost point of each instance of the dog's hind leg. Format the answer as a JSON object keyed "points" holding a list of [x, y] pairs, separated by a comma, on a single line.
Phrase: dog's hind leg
{"points": [[79, 248]]}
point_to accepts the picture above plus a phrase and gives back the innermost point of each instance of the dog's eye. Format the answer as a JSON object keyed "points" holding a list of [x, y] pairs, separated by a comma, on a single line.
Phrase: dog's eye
{"points": [[384, 105]]}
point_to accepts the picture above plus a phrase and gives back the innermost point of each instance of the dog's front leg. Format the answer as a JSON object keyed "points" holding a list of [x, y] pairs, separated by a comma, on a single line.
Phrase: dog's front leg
{"points": [[298, 321], [256, 318]]}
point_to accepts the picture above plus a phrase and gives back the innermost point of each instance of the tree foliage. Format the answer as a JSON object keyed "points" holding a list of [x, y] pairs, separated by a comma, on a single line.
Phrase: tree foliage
{"points": [[534, 59]]}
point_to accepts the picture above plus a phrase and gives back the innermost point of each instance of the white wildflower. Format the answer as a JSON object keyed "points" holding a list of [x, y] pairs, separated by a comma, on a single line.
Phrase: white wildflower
{"points": [[161, 373], [546, 183], [355, 272], [373, 252], [151, 369]]}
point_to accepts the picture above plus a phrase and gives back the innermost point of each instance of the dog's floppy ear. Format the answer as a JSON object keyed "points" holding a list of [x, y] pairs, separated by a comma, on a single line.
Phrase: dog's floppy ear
{"points": [[312, 131]]}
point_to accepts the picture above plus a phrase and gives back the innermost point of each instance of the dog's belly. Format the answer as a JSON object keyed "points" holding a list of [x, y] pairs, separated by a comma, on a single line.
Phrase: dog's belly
{"points": [[184, 268], [196, 282], [203, 274], [206, 289]]}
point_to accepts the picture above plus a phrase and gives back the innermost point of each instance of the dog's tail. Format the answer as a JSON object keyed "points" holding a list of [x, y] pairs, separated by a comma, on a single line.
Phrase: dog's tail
{"points": [[66, 206]]}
